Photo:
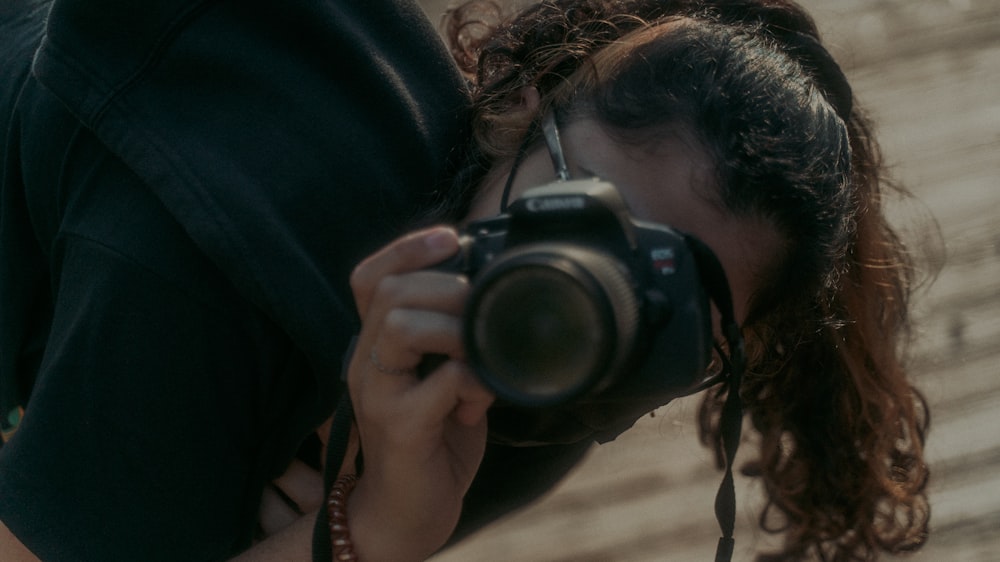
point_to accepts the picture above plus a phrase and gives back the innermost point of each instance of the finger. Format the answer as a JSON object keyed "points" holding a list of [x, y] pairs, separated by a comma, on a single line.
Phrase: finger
{"points": [[275, 513], [415, 251], [407, 336], [412, 315], [431, 290], [302, 485]]}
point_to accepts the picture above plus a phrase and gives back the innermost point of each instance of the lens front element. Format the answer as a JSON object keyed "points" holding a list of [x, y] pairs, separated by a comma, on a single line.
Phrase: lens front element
{"points": [[546, 325]]}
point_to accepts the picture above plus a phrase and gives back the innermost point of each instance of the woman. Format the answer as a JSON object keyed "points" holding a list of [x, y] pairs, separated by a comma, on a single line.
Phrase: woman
{"points": [[251, 303], [726, 120]]}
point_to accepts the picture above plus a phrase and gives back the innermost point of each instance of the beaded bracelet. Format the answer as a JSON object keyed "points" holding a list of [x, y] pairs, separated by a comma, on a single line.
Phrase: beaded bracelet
{"points": [[340, 533]]}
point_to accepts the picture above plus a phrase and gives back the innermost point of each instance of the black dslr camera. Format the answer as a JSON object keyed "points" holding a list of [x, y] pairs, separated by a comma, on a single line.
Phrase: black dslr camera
{"points": [[576, 305]]}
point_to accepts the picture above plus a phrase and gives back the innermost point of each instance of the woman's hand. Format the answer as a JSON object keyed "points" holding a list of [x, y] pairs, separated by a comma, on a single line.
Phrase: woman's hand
{"points": [[423, 438]]}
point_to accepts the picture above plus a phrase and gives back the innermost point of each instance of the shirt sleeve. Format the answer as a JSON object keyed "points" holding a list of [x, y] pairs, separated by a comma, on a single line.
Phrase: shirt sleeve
{"points": [[164, 399]]}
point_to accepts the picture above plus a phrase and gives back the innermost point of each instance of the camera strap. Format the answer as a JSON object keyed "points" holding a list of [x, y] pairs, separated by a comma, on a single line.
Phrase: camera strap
{"points": [[714, 280], [731, 426], [336, 453], [522, 152]]}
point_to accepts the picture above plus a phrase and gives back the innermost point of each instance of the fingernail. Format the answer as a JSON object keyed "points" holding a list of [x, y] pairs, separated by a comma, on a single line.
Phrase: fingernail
{"points": [[440, 239]]}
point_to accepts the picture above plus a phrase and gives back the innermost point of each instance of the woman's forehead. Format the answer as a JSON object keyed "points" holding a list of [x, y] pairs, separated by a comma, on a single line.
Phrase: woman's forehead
{"points": [[671, 180]]}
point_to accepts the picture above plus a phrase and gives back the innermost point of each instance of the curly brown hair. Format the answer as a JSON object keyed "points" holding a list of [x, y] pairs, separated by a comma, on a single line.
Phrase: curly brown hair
{"points": [[841, 427]]}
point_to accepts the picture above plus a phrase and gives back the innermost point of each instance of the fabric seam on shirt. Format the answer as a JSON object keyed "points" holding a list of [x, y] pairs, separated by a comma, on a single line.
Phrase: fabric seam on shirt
{"points": [[207, 303]]}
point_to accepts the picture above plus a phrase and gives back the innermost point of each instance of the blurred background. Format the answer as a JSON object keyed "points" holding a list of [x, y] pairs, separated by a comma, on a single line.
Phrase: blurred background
{"points": [[928, 71]]}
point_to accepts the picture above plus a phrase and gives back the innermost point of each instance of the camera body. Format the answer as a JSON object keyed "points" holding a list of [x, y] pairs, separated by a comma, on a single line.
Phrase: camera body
{"points": [[575, 305]]}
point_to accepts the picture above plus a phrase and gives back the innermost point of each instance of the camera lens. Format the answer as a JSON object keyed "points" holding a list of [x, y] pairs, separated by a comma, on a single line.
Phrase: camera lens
{"points": [[546, 324]]}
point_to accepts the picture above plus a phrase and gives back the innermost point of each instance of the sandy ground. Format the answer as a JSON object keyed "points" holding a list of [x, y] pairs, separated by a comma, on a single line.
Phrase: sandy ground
{"points": [[929, 72]]}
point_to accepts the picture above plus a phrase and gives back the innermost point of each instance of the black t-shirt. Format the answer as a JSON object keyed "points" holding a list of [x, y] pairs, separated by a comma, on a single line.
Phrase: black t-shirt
{"points": [[186, 185]]}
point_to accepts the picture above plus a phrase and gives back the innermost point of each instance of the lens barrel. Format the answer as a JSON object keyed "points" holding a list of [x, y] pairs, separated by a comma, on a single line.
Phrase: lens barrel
{"points": [[546, 323]]}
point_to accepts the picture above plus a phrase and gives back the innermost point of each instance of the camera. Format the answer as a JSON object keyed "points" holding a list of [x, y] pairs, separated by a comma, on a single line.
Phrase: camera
{"points": [[577, 305]]}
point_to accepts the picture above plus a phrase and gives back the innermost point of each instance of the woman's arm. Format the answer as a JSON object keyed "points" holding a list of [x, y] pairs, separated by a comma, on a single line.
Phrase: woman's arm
{"points": [[12, 549], [291, 544]]}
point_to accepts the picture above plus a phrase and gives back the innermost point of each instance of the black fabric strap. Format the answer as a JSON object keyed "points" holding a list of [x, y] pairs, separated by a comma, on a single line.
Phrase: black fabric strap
{"points": [[732, 424], [715, 283], [522, 151], [336, 451]]}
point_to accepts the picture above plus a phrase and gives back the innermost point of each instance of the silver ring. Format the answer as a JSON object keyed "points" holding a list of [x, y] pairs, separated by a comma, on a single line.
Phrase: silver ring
{"points": [[373, 359]]}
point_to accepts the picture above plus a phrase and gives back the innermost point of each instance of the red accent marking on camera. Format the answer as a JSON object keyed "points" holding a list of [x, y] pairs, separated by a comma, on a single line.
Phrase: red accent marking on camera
{"points": [[663, 260]]}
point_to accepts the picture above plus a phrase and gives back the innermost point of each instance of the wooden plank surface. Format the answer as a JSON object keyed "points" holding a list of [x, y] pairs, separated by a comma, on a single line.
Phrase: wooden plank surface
{"points": [[929, 72]]}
